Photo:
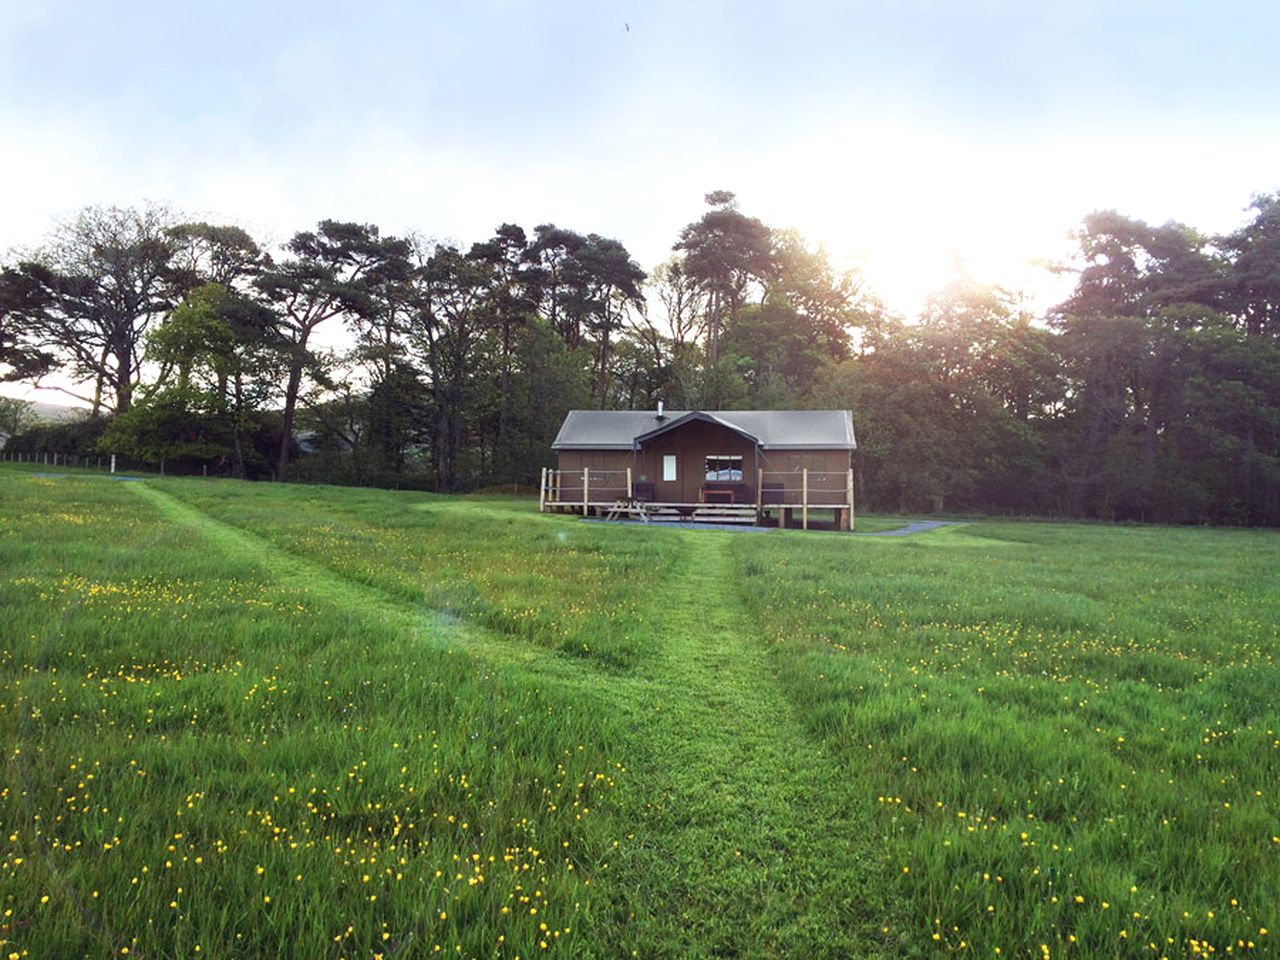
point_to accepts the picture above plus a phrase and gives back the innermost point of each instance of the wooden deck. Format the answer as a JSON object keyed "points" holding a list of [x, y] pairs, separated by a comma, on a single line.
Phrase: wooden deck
{"points": [[788, 503]]}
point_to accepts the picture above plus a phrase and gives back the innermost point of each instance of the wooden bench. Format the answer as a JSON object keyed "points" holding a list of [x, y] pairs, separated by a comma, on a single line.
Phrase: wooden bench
{"points": [[720, 491]]}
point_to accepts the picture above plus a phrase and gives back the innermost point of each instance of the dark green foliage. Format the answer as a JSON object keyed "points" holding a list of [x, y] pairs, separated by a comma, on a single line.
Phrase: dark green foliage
{"points": [[1152, 393], [78, 437]]}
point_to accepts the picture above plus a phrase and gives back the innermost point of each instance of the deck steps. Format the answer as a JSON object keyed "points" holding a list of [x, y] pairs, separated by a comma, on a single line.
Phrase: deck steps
{"points": [[725, 513], [662, 514], [705, 513]]}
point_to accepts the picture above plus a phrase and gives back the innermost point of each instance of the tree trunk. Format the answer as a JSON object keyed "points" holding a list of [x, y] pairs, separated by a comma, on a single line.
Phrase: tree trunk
{"points": [[505, 400], [602, 378], [713, 331], [290, 403], [237, 466], [124, 382]]}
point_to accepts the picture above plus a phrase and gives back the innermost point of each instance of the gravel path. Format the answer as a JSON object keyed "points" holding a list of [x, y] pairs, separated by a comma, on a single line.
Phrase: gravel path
{"points": [[915, 526]]}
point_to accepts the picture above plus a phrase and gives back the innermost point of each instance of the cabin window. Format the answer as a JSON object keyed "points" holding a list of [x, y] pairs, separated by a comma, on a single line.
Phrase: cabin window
{"points": [[724, 468], [668, 467]]}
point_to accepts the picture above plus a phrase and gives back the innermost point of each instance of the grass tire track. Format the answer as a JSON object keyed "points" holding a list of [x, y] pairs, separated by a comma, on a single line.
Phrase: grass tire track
{"points": [[716, 716], [451, 634]]}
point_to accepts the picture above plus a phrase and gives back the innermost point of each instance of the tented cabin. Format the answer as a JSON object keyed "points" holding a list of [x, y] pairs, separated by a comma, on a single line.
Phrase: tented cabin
{"points": [[737, 466]]}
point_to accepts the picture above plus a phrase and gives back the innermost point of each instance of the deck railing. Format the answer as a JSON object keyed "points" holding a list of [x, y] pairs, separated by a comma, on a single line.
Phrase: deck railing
{"points": [[796, 488], [786, 491], [585, 487]]}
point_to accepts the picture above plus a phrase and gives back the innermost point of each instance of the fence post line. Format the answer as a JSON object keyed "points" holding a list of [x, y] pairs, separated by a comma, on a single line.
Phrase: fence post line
{"points": [[629, 497], [804, 499]]}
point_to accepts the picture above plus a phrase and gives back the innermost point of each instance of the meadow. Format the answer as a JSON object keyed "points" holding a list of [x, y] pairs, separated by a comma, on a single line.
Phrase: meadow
{"points": [[248, 720]]}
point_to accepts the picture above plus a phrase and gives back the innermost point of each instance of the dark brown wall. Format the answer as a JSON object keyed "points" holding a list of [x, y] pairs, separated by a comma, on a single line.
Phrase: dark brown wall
{"points": [[608, 474], [575, 460], [691, 444], [793, 461]]}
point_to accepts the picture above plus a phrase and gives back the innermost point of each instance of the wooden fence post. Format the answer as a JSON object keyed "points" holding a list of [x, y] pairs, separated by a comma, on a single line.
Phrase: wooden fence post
{"points": [[851, 498], [113, 463], [586, 483], [542, 491], [629, 495], [804, 499], [759, 493]]}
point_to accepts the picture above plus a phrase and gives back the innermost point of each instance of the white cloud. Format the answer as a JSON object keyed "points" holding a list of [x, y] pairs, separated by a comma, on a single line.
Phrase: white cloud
{"points": [[903, 198]]}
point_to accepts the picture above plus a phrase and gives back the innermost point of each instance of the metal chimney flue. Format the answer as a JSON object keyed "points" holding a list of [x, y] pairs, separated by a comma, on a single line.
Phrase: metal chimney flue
{"points": [[660, 416]]}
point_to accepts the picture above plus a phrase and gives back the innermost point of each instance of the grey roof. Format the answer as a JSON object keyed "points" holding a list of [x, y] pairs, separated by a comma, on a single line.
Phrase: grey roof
{"points": [[773, 429]]}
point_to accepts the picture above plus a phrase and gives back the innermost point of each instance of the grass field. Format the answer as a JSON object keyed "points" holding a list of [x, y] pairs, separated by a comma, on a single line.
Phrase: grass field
{"points": [[247, 720]]}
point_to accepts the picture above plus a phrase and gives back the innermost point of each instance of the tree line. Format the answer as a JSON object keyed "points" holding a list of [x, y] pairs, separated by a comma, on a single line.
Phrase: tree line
{"points": [[1151, 393]]}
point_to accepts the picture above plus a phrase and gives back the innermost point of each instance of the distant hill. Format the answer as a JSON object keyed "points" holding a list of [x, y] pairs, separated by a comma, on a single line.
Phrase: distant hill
{"points": [[46, 413], [57, 412]]}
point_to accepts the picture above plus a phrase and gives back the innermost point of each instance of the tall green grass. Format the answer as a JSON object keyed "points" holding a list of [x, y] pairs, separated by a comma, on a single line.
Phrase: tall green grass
{"points": [[575, 588], [200, 760], [1071, 734], [307, 721]]}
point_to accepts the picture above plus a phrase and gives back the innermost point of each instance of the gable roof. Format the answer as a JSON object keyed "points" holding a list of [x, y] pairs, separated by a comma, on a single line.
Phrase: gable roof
{"points": [[771, 429]]}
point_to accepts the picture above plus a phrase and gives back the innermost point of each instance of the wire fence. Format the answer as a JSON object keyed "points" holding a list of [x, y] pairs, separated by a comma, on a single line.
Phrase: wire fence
{"points": [[107, 463]]}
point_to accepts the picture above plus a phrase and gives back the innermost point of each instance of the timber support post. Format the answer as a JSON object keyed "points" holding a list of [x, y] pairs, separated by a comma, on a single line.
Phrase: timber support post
{"points": [[629, 494], [542, 492], [759, 494], [586, 484], [850, 499], [804, 499]]}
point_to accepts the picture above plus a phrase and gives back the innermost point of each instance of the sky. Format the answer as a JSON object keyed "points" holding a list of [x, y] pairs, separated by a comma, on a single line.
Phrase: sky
{"points": [[910, 139]]}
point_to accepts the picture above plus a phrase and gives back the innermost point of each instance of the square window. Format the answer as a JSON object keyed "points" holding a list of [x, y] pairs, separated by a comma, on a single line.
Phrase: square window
{"points": [[724, 468]]}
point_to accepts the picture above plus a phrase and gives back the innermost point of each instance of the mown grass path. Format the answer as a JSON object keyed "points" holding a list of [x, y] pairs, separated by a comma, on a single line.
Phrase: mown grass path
{"points": [[747, 842], [419, 622], [750, 848]]}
